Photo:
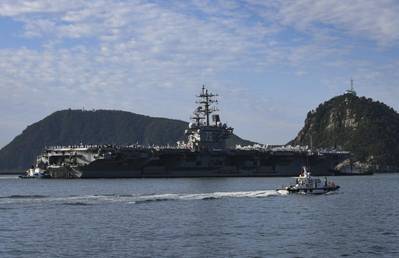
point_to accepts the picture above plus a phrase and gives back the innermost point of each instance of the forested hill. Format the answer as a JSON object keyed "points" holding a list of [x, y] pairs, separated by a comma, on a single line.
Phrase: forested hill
{"points": [[70, 127], [367, 128]]}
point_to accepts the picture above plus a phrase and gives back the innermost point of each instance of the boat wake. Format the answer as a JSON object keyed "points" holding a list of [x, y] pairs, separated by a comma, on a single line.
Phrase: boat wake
{"points": [[205, 196], [8, 177], [135, 198]]}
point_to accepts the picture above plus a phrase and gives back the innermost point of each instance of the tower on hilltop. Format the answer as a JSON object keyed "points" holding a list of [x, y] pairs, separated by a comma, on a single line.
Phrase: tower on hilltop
{"points": [[351, 90]]}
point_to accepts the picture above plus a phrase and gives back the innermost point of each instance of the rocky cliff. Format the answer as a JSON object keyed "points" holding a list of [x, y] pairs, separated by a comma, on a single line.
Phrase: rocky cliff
{"points": [[367, 128]]}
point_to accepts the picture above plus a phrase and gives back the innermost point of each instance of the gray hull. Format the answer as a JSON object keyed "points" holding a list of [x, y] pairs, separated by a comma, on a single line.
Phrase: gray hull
{"points": [[202, 165]]}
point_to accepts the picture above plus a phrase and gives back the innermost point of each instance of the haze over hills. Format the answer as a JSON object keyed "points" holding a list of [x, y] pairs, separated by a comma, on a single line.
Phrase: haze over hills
{"points": [[71, 127], [367, 128]]}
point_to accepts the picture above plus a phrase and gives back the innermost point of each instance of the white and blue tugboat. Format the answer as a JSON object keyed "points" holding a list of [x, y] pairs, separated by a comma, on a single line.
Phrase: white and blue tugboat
{"points": [[35, 173], [306, 184]]}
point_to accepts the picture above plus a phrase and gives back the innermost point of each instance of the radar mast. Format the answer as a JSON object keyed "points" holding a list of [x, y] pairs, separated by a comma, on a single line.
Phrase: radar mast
{"points": [[206, 100], [202, 134]]}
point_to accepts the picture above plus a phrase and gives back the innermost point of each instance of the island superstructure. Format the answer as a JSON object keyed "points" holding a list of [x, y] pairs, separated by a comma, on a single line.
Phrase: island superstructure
{"points": [[202, 154]]}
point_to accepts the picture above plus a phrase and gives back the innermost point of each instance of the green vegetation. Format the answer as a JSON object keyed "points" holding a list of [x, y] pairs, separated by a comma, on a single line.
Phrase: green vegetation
{"points": [[367, 128], [70, 127]]}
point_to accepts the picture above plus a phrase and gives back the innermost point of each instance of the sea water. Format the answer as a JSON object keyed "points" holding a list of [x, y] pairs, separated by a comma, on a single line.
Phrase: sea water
{"points": [[202, 217]]}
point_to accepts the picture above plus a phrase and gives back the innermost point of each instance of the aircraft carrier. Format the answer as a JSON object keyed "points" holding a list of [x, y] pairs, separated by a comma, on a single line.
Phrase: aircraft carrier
{"points": [[202, 154]]}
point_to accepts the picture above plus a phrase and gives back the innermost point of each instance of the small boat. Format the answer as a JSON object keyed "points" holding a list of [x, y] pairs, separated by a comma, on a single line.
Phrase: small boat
{"points": [[306, 184], [35, 173]]}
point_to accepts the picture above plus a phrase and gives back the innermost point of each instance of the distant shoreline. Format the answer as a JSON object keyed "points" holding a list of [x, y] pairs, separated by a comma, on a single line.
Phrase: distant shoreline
{"points": [[21, 172]]}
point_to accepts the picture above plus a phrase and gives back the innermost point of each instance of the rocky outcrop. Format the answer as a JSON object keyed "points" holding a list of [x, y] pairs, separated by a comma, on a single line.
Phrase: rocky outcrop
{"points": [[367, 128]]}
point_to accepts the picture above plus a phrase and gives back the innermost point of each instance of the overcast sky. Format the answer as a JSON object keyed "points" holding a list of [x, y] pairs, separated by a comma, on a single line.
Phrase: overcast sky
{"points": [[270, 61]]}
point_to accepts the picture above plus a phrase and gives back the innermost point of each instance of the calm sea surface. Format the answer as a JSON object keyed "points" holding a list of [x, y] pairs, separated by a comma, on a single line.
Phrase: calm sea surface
{"points": [[225, 217]]}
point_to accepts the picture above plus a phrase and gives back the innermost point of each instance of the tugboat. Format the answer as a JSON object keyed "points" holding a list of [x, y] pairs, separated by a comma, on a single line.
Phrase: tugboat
{"points": [[35, 173], [306, 184]]}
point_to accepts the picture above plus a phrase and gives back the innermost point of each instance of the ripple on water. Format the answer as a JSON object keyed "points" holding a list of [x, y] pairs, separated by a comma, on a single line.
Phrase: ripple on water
{"points": [[197, 218]]}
